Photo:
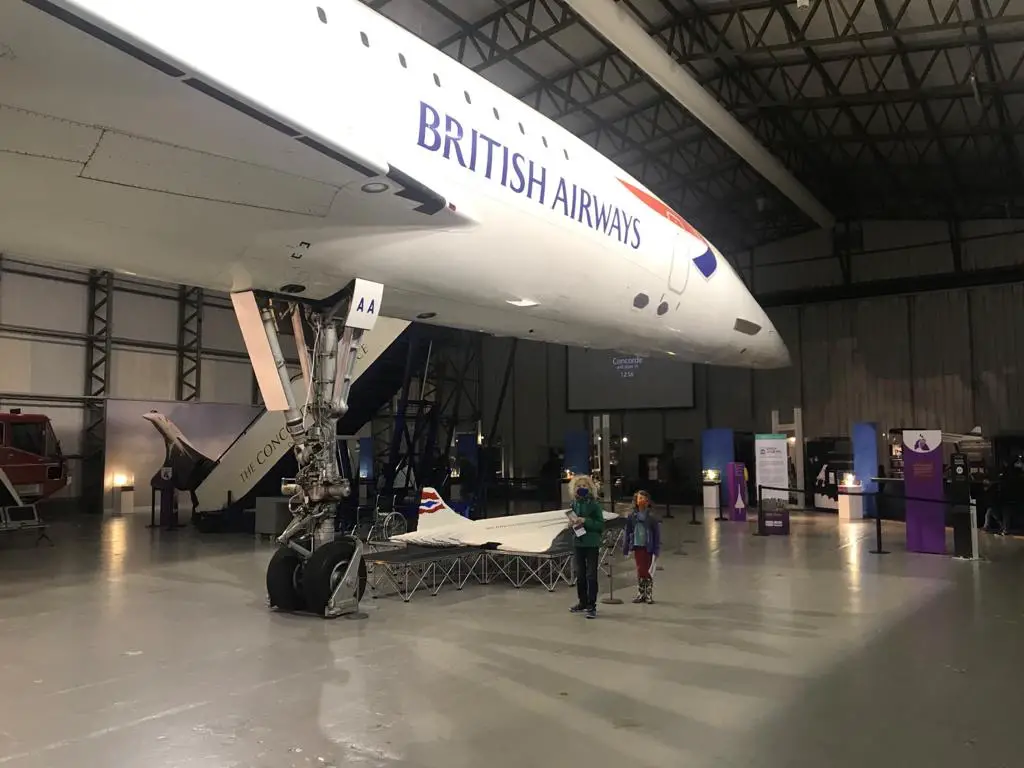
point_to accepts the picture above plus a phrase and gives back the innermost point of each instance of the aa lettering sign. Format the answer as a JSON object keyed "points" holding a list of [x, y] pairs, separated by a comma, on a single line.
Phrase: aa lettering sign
{"points": [[366, 298]]}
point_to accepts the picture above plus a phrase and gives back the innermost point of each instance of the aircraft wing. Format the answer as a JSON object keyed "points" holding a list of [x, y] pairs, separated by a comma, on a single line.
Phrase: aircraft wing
{"points": [[354, 177]]}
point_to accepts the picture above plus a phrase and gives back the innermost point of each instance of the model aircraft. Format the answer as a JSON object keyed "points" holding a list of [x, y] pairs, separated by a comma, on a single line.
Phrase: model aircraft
{"points": [[317, 161], [441, 526], [189, 465]]}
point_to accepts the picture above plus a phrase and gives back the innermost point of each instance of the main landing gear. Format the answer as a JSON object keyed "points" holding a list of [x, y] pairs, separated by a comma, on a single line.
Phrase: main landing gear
{"points": [[314, 569]]}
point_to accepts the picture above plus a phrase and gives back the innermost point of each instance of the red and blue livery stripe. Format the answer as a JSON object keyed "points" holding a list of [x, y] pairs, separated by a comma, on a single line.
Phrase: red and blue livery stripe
{"points": [[430, 501], [706, 262]]}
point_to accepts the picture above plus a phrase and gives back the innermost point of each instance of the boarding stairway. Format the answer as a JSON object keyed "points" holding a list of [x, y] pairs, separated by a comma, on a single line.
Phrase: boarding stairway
{"points": [[257, 460]]}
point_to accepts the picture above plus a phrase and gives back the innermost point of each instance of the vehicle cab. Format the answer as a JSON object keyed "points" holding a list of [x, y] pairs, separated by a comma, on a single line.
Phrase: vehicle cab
{"points": [[30, 455]]}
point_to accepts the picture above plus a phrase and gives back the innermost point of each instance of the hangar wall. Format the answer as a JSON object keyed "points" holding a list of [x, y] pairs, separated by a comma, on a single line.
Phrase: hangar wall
{"points": [[952, 359], [43, 338]]}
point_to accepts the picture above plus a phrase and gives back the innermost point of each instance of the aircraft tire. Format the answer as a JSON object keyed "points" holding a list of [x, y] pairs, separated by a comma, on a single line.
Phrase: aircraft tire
{"points": [[324, 568], [285, 577]]}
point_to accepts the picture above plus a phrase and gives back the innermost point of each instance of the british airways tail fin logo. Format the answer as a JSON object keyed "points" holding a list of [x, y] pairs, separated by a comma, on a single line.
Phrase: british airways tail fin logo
{"points": [[430, 501]]}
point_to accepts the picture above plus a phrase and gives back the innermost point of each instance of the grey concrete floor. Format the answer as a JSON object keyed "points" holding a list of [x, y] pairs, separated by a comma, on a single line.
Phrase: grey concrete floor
{"points": [[124, 647]]}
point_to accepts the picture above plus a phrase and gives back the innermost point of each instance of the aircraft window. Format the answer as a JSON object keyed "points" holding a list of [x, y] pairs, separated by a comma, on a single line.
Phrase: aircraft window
{"points": [[468, 99], [437, 80], [365, 39], [402, 61], [521, 129], [545, 140], [566, 153], [322, 14], [496, 115]]}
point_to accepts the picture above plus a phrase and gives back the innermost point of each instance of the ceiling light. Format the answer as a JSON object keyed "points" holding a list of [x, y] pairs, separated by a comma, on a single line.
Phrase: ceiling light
{"points": [[522, 302]]}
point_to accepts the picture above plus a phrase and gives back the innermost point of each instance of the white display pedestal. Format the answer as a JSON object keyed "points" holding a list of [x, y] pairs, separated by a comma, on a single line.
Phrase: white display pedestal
{"points": [[712, 498], [127, 505], [851, 507]]}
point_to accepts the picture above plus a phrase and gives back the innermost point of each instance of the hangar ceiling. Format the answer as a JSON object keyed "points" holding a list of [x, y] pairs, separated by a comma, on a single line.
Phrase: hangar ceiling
{"points": [[883, 109]]}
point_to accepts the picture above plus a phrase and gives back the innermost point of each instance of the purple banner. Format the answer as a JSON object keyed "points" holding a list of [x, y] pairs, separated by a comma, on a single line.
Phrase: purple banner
{"points": [[735, 482], [922, 479]]}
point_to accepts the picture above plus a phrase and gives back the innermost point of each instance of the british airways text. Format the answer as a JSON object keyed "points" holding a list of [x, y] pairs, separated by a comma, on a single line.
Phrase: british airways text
{"points": [[480, 153]]}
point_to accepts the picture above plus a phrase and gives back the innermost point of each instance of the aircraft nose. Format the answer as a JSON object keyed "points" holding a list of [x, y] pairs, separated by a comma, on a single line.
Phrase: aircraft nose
{"points": [[762, 345], [777, 354]]}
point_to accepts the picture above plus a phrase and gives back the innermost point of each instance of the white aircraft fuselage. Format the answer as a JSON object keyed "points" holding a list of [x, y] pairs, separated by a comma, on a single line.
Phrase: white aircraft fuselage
{"points": [[285, 145]]}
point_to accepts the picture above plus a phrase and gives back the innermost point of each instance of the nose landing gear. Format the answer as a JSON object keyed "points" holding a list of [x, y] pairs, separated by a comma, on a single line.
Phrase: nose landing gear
{"points": [[313, 570]]}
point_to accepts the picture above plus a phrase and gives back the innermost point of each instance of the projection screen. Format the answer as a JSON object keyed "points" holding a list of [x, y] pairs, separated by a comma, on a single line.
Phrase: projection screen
{"points": [[612, 381]]}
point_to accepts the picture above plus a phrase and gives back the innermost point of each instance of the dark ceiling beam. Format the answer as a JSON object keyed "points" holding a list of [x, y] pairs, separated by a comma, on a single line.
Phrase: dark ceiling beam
{"points": [[914, 82], [1002, 115], [947, 281], [747, 111], [671, 32], [520, 20], [796, 33], [973, 132], [841, 101], [822, 44], [747, 82]]}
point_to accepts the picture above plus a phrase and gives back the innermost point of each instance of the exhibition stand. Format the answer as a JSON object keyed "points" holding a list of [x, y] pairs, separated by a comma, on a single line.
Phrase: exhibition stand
{"points": [[772, 512], [922, 478], [711, 482], [794, 430], [864, 437], [717, 450], [965, 515], [736, 491], [852, 498]]}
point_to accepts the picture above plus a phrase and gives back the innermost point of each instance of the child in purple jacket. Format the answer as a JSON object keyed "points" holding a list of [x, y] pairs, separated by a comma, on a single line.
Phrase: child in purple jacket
{"points": [[642, 537]]}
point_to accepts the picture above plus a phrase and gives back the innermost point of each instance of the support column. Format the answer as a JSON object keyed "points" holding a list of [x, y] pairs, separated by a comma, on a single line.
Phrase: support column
{"points": [[190, 344], [97, 378]]}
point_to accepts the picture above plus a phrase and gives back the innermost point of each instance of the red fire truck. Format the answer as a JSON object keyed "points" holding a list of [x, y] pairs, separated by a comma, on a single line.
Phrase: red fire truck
{"points": [[30, 455]]}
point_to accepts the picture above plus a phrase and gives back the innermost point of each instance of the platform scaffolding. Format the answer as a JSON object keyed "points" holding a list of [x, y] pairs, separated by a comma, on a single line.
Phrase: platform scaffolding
{"points": [[413, 435], [407, 570]]}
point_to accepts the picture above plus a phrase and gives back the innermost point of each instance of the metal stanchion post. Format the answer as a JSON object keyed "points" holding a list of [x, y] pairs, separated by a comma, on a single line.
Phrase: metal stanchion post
{"points": [[693, 516], [878, 534], [611, 599]]}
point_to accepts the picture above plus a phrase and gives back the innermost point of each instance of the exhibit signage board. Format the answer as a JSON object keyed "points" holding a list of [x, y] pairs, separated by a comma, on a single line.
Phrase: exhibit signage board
{"points": [[735, 482], [922, 480], [771, 466], [773, 518]]}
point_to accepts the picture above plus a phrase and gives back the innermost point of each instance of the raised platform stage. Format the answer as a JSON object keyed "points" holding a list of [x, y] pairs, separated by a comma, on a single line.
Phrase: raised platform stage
{"points": [[406, 570]]}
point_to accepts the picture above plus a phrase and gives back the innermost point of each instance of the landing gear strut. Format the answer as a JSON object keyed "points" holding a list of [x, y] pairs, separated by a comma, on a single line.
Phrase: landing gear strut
{"points": [[314, 569]]}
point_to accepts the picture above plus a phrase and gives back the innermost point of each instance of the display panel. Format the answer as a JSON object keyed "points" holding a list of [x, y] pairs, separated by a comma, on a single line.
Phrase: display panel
{"points": [[602, 381]]}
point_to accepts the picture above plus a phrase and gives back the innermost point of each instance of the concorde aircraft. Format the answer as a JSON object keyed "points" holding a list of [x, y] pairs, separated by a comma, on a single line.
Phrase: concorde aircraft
{"points": [[316, 161], [290, 146]]}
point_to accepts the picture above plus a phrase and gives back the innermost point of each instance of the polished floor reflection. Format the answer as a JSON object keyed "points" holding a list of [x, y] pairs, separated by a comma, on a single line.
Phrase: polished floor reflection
{"points": [[125, 647]]}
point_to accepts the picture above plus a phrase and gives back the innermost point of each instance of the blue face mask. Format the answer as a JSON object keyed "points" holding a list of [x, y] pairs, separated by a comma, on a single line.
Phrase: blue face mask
{"points": [[582, 493]]}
